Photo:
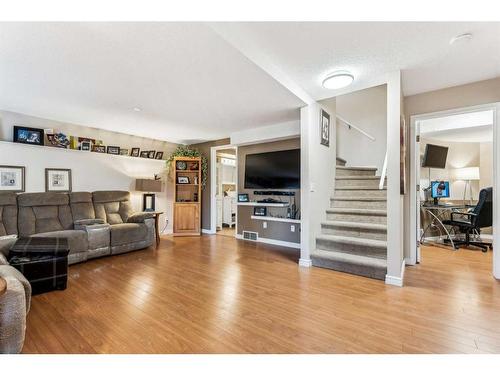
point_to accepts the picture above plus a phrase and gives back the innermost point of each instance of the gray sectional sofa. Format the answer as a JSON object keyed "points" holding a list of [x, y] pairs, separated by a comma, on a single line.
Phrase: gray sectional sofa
{"points": [[96, 224]]}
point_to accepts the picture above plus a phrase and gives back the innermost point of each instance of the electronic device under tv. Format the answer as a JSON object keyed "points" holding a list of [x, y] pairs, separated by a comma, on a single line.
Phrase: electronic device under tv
{"points": [[273, 170], [440, 189], [435, 156]]}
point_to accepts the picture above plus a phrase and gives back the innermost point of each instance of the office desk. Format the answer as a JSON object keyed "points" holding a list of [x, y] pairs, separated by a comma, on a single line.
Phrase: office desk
{"points": [[437, 212]]}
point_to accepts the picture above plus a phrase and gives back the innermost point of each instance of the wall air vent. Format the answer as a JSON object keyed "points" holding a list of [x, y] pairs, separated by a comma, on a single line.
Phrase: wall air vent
{"points": [[250, 236]]}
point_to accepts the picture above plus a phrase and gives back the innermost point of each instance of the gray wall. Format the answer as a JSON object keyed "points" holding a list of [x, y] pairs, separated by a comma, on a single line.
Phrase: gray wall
{"points": [[275, 230]]}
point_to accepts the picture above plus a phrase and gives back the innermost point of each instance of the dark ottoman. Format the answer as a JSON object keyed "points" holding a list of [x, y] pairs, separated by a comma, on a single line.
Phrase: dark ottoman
{"points": [[43, 261]]}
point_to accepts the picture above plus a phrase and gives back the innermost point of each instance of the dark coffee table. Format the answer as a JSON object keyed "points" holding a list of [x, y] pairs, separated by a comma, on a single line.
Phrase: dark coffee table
{"points": [[43, 261]]}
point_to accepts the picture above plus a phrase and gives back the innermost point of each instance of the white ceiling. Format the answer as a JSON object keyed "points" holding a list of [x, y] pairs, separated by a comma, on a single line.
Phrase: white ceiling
{"points": [[465, 127], [308, 51], [190, 84], [197, 82]]}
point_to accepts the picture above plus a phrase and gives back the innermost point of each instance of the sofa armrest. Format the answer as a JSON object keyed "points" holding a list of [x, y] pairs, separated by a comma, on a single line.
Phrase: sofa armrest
{"points": [[6, 243], [80, 224], [98, 235], [3, 260], [14, 306], [140, 217]]}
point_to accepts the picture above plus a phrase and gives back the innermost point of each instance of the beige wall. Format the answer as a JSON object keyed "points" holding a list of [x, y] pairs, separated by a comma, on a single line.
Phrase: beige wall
{"points": [[482, 92], [486, 164], [204, 149], [366, 109], [275, 230]]}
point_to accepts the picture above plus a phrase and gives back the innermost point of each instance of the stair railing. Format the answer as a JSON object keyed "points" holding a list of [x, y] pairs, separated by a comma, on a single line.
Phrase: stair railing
{"points": [[351, 126], [384, 172]]}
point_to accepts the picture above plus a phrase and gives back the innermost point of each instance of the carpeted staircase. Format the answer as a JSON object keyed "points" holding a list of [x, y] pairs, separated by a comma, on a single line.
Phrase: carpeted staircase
{"points": [[354, 236]]}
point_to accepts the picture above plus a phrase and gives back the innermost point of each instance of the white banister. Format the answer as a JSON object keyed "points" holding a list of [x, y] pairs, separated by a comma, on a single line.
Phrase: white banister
{"points": [[384, 172], [351, 126]]}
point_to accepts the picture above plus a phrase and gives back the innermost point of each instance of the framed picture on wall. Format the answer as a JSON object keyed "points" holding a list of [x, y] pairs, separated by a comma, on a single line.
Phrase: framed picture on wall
{"points": [[324, 127], [159, 155], [115, 150], [144, 154], [58, 180], [135, 151], [151, 154], [12, 178]]}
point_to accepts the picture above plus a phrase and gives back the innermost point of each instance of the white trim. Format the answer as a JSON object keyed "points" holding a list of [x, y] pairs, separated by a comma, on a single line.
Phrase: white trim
{"points": [[213, 185], [305, 262], [495, 107], [272, 218], [270, 241], [397, 281], [207, 231]]}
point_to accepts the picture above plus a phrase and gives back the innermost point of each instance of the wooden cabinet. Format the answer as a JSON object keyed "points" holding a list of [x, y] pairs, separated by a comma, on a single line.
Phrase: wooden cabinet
{"points": [[186, 218], [187, 199]]}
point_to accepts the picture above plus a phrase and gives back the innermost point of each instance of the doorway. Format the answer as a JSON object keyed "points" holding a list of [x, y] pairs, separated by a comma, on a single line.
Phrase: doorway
{"points": [[224, 178], [468, 140]]}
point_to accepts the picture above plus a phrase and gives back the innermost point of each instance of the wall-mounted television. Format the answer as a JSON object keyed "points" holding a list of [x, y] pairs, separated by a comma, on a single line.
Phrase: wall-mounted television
{"points": [[435, 156], [273, 170]]}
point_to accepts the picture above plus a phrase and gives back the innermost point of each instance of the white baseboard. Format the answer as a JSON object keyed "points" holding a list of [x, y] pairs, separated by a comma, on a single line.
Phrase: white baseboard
{"points": [[305, 262], [207, 231], [270, 241], [396, 281]]}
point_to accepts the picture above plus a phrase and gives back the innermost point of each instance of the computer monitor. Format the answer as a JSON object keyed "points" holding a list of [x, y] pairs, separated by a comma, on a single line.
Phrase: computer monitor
{"points": [[440, 189]]}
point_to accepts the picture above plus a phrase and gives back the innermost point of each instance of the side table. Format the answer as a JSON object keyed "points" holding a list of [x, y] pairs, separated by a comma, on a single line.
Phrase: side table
{"points": [[157, 224]]}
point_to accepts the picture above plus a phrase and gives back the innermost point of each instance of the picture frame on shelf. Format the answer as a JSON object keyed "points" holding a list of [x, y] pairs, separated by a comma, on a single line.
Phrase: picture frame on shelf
{"points": [[159, 155], [29, 136], [243, 197], [260, 211], [183, 180], [58, 140], [151, 154], [58, 179], [113, 150], [144, 154], [12, 178], [85, 146], [324, 127], [124, 151], [135, 152], [99, 148]]}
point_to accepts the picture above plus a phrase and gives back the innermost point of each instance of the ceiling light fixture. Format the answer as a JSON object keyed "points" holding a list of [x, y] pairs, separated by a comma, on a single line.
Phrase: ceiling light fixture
{"points": [[137, 109], [461, 38], [337, 80]]}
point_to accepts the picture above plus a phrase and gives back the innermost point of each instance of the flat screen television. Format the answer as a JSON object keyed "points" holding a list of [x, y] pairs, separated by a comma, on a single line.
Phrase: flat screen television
{"points": [[273, 170], [435, 156]]}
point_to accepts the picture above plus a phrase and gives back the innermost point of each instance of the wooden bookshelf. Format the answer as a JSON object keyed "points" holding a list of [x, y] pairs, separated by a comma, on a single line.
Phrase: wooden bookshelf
{"points": [[187, 199]]}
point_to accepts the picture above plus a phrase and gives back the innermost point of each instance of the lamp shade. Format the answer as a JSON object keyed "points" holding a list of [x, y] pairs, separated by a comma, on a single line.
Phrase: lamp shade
{"points": [[142, 184], [466, 174]]}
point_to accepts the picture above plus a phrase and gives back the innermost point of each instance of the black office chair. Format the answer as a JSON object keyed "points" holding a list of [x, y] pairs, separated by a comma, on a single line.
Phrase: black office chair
{"points": [[468, 222]]}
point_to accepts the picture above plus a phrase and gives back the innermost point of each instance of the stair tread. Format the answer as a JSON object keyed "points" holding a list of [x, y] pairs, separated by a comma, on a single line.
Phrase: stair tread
{"points": [[352, 224], [357, 168], [353, 240], [359, 188], [362, 199], [357, 177], [351, 258], [342, 210]]}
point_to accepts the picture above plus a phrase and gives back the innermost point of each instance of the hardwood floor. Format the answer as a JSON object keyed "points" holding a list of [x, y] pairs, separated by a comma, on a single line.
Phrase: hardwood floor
{"points": [[215, 294]]}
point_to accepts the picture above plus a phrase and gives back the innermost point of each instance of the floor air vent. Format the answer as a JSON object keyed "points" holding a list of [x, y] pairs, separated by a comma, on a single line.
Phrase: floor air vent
{"points": [[251, 236]]}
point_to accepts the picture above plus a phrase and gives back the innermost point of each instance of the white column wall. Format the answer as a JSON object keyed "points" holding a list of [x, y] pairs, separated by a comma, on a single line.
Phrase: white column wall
{"points": [[317, 175]]}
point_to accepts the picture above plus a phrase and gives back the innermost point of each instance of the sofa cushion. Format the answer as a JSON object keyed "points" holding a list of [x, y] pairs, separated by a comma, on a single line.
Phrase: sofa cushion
{"points": [[81, 205], [77, 239], [8, 213], [128, 233], [112, 206], [43, 212]]}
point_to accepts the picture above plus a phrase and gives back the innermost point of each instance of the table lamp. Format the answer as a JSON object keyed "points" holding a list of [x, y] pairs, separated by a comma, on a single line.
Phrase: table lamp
{"points": [[150, 187], [467, 174]]}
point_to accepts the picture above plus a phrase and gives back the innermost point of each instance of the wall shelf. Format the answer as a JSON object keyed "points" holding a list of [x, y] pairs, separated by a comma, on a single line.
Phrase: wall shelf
{"points": [[284, 204], [272, 218]]}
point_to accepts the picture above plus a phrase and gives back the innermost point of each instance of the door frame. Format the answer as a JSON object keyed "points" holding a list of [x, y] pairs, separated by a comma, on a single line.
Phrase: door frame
{"points": [[495, 107], [213, 186]]}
